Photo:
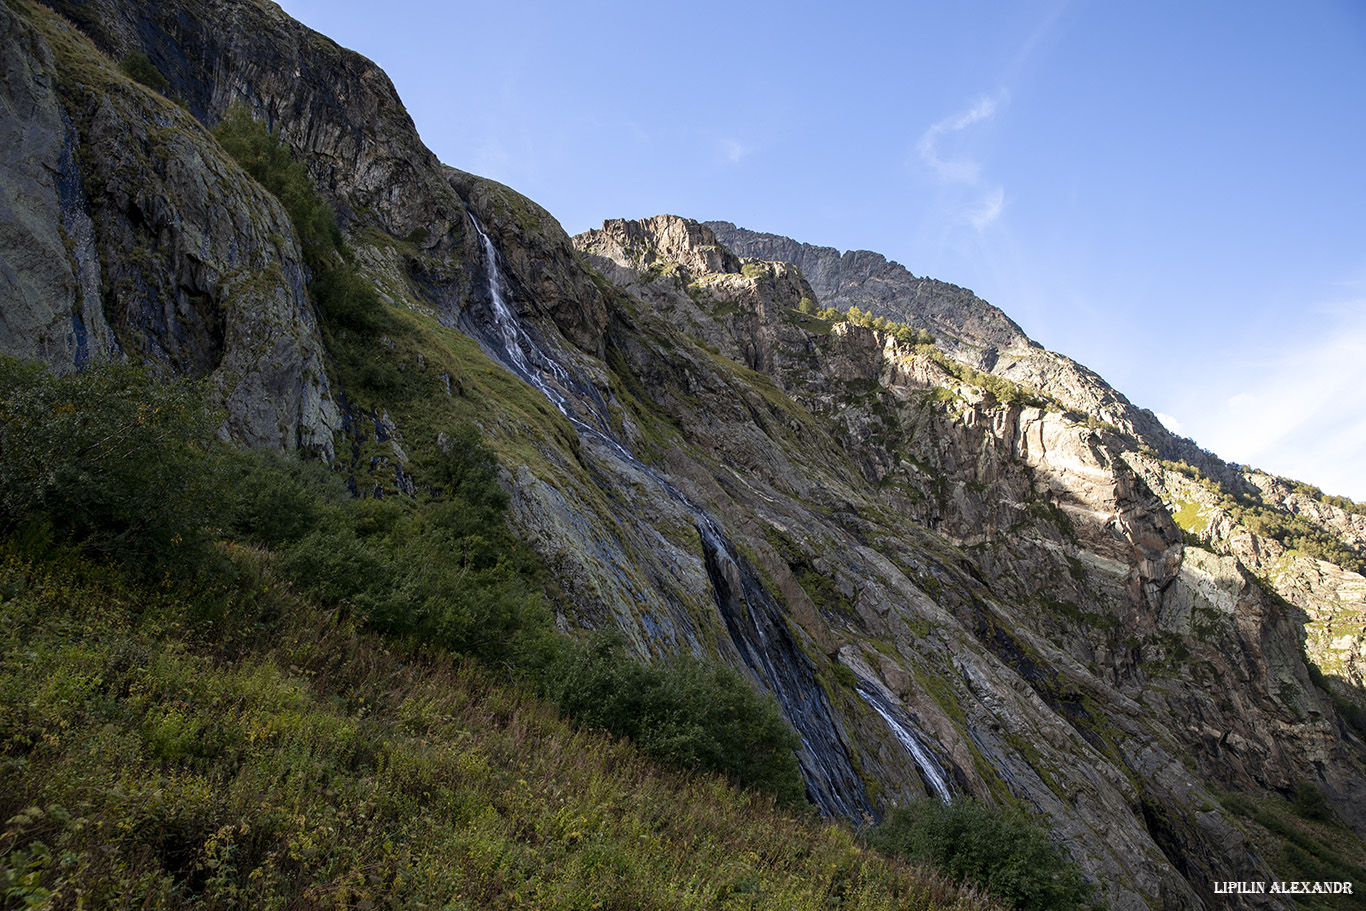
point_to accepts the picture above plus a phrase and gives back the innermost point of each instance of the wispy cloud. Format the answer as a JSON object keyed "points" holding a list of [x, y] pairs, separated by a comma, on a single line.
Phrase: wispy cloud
{"points": [[988, 210], [959, 170], [733, 150], [1296, 408], [944, 150]]}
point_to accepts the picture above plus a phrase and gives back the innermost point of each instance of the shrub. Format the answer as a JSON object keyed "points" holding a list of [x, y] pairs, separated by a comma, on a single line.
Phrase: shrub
{"points": [[274, 499], [271, 164], [445, 571], [140, 68], [679, 711], [108, 459], [468, 475], [1000, 850], [1311, 804]]}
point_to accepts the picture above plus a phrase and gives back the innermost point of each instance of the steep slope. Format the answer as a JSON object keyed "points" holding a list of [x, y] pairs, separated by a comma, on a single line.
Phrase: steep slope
{"points": [[1079, 556], [1210, 500], [950, 587], [970, 330]]}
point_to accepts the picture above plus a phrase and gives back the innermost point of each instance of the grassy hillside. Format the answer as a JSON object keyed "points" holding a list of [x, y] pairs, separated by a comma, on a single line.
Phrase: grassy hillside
{"points": [[241, 747], [298, 699]]}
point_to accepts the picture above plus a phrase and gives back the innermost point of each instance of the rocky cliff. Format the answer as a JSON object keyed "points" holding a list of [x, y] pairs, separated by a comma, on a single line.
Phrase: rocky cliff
{"points": [[969, 568], [970, 330]]}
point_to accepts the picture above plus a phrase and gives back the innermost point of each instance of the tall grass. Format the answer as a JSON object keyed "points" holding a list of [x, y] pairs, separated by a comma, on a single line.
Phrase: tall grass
{"points": [[241, 747]]}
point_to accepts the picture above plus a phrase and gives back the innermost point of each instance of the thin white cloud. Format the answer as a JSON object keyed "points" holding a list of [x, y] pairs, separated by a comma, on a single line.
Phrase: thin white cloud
{"points": [[1296, 408], [989, 209], [733, 150], [928, 146]]}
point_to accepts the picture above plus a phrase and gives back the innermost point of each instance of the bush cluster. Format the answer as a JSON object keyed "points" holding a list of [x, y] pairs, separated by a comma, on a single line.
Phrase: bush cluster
{"points": [[1000, 850], [445, 571], [107, 458], [1003, 390], [1297, 533], [681, 712], [124, 467]]}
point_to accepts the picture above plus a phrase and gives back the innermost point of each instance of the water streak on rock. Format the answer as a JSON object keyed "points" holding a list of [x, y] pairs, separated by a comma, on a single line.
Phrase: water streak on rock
{"points": [[754, 620]]}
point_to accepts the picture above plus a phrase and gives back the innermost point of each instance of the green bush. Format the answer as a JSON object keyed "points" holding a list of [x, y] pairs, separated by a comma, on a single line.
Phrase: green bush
{"points": [[1311, 804], [274, 499], [468, 474], [444, 569], [139, 67], [271, 164], [109, 459], [997, 849], [679, 711]]}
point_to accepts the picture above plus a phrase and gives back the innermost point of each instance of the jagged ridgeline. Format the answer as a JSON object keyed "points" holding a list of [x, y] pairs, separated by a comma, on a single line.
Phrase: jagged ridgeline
{"points": [[842, 534]]}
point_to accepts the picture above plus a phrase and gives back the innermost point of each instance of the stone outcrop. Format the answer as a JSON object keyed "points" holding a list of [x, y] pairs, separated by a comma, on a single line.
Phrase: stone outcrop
{"points": [[861, 278], [136, 235]]}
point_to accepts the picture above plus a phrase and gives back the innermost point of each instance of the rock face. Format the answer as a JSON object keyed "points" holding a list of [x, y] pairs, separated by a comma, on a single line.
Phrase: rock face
{"points": [[135, 234], [50, 307], [951, 585], [1080, 590], [861, 278], [970, 330]]}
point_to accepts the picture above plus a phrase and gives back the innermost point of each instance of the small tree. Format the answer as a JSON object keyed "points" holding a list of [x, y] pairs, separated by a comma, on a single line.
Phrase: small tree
{"points": [[139, 67]]}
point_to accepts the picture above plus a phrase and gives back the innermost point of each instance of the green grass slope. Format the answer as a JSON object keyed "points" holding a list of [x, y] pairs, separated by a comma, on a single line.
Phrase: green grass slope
{"points": [[238, 746]]}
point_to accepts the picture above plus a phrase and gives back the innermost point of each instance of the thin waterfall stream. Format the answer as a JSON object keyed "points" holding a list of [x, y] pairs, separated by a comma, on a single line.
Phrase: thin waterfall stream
{"points": [[755, 623], [905, 733]]}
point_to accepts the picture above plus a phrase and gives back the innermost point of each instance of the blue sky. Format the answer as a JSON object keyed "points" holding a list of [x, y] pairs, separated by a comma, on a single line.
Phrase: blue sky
{"points": [[1172, 193]]}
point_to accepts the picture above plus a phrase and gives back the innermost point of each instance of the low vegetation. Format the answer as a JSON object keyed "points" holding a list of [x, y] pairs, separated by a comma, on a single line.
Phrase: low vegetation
{"points": [[1292, 531], [1303, 840], [247, 721], [1000, 851]]}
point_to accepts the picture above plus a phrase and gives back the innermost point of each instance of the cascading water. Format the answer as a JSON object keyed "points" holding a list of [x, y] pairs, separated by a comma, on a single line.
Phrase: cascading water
{"points": [[753, 619], [904, 732]]}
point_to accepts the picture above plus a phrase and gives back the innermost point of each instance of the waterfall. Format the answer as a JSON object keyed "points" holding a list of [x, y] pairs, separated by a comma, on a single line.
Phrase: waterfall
{"points": [[753, 619], [904, 731]]}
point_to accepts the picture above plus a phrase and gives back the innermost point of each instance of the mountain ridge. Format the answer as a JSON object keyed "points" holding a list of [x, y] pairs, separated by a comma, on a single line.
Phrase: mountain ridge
{"points": [[973, 331]]}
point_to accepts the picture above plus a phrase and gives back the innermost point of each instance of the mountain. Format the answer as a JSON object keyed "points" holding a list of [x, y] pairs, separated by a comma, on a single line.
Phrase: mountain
{"points": [[966, 568]]}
